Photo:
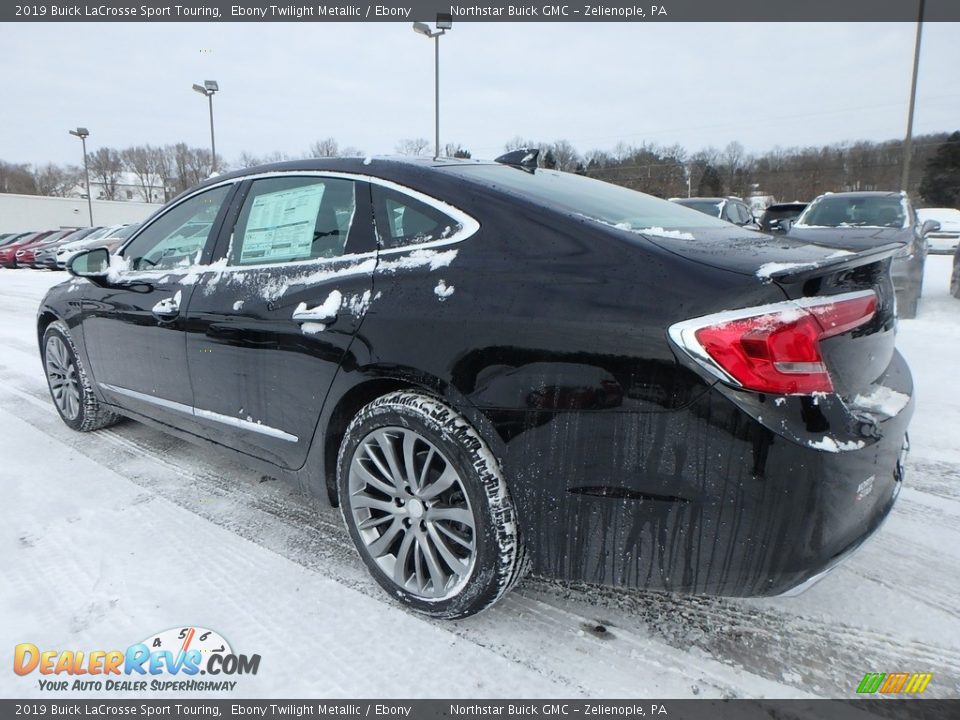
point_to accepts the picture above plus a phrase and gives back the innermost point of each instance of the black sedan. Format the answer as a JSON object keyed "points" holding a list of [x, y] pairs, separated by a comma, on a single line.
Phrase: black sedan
{"points": [[490, 368], [854, 221]]}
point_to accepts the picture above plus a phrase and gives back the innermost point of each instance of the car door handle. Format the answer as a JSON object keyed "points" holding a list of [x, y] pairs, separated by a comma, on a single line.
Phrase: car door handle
{"points": [[325, 313], [168, 308]]}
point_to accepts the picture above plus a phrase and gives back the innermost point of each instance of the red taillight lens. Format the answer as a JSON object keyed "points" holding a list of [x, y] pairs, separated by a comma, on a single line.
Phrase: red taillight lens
{"points": [[777, 349]]}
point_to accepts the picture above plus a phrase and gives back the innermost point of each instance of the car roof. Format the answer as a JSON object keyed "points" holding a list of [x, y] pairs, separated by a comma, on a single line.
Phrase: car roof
{"points": [[865, 194]]}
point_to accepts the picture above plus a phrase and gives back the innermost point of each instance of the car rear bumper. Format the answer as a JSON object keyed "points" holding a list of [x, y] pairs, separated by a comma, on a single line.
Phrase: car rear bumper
{"points": [[852, 549], [708, 499]]}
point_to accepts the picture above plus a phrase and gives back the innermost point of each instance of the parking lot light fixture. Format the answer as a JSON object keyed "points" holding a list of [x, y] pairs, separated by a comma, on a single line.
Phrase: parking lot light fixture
{"points": [[444, 23], [208, 88], [83, 134]]}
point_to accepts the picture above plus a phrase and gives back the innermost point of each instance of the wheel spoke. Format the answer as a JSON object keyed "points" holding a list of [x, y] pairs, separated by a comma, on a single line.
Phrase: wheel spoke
{"points": [[384, 470], [390, 455], [374, 521], [410, 461], [443, 483], [380, 546], [457, 565], [369, 478], [466, 544], [460, 515], [365, 501], [433, 565], [403, 557]]}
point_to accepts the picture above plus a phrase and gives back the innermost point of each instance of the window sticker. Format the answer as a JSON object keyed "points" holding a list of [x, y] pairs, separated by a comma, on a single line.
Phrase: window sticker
{"points": [[281, 224]]}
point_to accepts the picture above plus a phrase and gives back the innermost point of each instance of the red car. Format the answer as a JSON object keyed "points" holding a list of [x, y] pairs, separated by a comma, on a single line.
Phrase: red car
{"points": [[8, 253], [23, 255]]}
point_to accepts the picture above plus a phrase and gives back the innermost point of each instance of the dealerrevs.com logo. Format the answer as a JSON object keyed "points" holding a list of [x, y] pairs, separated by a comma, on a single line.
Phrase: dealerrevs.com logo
{"points": [[172, 660]]}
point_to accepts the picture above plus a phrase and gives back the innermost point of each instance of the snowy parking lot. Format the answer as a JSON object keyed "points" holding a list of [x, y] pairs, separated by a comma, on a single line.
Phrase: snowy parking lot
{"points": [[110, 537]]}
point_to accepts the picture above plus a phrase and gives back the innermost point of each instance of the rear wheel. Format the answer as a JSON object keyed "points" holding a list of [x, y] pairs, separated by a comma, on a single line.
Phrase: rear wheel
{"points": [[427, 506], [69, 383]]}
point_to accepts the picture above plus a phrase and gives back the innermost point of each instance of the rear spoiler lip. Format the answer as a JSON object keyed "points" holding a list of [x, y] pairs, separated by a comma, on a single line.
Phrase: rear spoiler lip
{"points": [[832, 264]]}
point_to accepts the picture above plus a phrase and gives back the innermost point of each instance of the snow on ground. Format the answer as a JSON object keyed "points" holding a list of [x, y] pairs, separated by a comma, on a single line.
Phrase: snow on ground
{"points": [[109, 537]]}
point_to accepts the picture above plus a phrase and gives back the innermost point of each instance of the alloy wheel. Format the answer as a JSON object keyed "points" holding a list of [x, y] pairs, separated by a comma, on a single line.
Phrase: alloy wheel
{"points": [[412, 512], [63, 379]]}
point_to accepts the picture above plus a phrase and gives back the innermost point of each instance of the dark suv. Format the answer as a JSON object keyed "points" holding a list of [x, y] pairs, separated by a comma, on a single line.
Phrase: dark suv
{"points": [[856, 221]]}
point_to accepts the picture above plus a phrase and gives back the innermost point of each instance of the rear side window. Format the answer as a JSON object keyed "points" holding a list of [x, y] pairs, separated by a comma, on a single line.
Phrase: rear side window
{"points": [[403, 220], [291, 219], [608, 203]]}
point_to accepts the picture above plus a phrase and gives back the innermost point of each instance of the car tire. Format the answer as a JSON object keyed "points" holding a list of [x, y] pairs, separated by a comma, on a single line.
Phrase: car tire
{"points": [[427, 507], [955, 279], [69, 382]]}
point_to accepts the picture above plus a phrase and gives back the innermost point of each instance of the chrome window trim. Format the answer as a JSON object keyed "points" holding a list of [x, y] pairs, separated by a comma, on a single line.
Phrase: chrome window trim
{"points": [[468, 224]]}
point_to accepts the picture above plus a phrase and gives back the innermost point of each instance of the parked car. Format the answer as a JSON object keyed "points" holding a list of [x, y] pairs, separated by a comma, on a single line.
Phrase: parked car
{"points": [[854, 221], [778, 218], [110, 238], [11, 238], [27, 254], [731, 209], [945, 240], [46, 256], [8, 253], [485, 364]]}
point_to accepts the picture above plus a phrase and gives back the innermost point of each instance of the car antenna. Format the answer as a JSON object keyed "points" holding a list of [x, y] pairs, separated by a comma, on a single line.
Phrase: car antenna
{"points": [[523, 158]]}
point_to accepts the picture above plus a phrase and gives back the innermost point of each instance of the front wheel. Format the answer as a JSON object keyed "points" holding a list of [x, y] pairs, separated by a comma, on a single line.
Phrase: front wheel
{"points": [[427, 507], [69, 383]]}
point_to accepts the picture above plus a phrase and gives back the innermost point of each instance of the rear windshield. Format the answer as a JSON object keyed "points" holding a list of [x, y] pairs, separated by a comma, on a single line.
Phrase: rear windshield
{"points": [[846, 211], [781, 213], [610, 204]]}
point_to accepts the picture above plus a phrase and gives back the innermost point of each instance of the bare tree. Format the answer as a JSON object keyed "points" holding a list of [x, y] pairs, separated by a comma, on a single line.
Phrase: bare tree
{"points": [[455, 150], [351, 151], [519, 143], [565, 154], [106, 167], [325, 148], [199, 165], [413, 146], [141, 161], [164, 167], [248, 159], [55, 181], [16, 178]]}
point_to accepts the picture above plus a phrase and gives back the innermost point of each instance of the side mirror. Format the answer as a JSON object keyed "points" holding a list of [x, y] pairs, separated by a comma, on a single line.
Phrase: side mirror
{"points": [[93, 264], [929, 226]]}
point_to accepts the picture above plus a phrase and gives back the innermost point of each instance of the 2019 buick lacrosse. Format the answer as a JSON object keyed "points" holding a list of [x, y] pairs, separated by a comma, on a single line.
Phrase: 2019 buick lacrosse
{"points": [[491, 367]]}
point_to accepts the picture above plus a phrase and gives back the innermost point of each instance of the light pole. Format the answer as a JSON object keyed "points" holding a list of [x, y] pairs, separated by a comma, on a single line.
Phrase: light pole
{"points": [[444, 23], [83, 134], [908, 141], [208, 88]]}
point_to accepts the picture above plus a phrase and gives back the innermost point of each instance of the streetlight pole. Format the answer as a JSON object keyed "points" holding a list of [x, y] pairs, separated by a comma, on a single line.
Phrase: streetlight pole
{"points": [[83, 134], [208, 88], [908, 140], [444, 23]]}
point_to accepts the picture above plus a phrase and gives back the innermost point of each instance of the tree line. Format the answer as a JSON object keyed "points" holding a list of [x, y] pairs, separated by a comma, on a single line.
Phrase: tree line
{"points": [[796, 173]]}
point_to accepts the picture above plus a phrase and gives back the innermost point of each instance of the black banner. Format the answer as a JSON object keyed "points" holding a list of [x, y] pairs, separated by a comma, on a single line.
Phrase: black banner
{"points": [[519, 11], [449, 709]]}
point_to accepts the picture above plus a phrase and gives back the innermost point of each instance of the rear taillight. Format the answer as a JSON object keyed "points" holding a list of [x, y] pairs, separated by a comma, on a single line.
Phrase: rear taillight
{"points": [[774, 348]]}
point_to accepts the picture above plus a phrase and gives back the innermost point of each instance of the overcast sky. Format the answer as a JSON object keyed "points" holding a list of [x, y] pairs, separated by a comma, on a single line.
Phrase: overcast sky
{"points": [[371, 85]]}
